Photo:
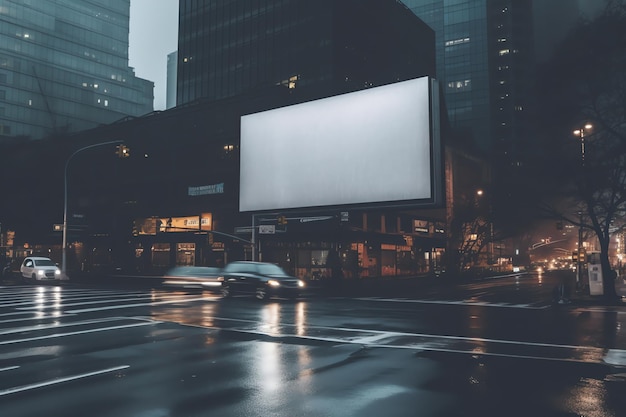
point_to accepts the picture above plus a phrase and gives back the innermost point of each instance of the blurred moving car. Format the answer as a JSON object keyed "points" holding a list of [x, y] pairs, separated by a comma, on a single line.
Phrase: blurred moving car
{"points": [[261, 279], [200, 277], [39, 268]]}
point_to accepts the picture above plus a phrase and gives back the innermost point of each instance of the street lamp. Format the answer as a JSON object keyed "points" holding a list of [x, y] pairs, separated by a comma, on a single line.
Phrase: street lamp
{"points": [[581, 134], [64, 256]]}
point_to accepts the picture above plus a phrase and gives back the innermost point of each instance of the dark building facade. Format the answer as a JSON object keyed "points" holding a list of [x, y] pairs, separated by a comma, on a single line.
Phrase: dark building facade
{"points": [[64, 67], [174, 201], [318, 48]]}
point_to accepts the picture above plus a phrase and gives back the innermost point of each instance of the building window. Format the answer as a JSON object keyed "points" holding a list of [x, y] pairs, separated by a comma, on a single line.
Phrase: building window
{"points": [[457, 41], [460, 85], [503, 52], [290, 83]]}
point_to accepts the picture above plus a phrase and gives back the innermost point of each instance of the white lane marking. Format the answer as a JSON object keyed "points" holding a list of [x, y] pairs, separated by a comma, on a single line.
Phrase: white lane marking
{"points": [[56, 335], [61, 380], [612, 360], [59, 325], [613, 356], [463, 302], [37, 317], [75, 304], [183, 300], [9, 368]]}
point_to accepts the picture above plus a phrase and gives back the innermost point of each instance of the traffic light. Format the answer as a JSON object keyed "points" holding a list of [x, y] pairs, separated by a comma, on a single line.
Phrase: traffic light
{"points": [[122, 151]]}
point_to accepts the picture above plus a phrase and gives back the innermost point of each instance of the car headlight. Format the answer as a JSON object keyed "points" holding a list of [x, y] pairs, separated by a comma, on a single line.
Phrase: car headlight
{"points": [[57, 272], [41, 273], [273, 283], [300, 283]]}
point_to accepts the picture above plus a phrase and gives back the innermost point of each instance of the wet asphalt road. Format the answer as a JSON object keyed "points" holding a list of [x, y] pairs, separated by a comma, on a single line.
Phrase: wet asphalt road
{"points": [[493, 348]]}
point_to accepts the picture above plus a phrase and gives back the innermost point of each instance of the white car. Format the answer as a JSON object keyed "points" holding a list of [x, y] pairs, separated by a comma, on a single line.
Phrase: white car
{"points": [[39, 268]]}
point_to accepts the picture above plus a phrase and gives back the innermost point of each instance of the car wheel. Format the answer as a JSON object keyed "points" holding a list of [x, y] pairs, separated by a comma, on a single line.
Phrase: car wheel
{"points": [[34, 277], [261, 293], [226, 291]]}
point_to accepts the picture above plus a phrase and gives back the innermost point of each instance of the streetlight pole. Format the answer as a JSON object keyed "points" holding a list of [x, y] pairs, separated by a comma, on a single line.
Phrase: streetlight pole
{"points": [[64, 252], [581, 134]]}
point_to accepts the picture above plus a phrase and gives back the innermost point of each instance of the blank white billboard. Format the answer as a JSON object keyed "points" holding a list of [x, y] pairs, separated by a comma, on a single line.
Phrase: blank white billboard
{"points": [[370, 147]]}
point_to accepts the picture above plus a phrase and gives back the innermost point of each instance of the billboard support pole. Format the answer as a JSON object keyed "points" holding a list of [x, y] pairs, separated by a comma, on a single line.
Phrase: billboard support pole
{"points": [[253, 240]]}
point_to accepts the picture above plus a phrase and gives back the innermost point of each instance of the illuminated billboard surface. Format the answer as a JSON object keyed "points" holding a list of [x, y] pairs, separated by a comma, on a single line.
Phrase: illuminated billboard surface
{"points": [[368, 147]]}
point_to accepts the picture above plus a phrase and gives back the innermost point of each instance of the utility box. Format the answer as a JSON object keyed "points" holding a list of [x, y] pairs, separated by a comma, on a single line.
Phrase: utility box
{"points": [[594, 269]]}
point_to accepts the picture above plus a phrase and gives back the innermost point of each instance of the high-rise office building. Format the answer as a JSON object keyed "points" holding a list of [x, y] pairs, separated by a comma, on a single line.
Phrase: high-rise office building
{"points": [[64, 67], [317, 48], [172, 71], [486, 56]]}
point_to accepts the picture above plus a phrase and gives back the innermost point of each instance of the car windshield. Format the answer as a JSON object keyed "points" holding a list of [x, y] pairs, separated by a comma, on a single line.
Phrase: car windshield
{"points": [[270, 269], [44, 262]]}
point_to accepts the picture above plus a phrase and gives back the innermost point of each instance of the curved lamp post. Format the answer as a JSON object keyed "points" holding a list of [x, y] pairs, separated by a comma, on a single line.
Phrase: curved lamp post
{"points": [[64, 256]]}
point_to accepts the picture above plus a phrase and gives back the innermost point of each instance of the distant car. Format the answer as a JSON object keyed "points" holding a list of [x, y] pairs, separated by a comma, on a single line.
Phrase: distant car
{"points": [[39, 268], [200, 277], [261, 279]]}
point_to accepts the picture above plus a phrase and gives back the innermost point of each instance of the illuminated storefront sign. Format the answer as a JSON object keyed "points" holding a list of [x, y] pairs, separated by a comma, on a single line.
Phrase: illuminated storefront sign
{"points": [[154, 225]]}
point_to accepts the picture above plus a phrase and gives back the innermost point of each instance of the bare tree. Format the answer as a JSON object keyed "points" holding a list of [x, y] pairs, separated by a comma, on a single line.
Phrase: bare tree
{"points": [[582, 98]]}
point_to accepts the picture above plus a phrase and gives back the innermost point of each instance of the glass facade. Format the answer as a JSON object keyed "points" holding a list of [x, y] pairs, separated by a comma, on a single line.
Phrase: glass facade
{"points": [[64, 67], [462, 61], [486, 55], [229, 48]]}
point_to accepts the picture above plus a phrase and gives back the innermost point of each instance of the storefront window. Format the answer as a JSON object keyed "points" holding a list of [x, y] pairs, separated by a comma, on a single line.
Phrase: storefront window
{"points": [[161, 255], [185, 254]]}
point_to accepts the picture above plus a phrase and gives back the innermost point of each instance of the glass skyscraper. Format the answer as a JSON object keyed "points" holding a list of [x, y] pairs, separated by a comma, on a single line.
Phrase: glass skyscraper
{"points": [[486, 55], [64, 67]]}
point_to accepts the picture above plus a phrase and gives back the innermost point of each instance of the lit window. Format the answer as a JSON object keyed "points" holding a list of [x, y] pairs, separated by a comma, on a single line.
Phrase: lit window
{"points": [[504, 52], [457, 41], [460, 85], [106, 103], [500, 40], [290, 83]]}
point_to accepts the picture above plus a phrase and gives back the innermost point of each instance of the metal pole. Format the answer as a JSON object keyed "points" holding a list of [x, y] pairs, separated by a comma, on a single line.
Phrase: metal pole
{"points": [[579, 271], [253, 240], [64, 251]]}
